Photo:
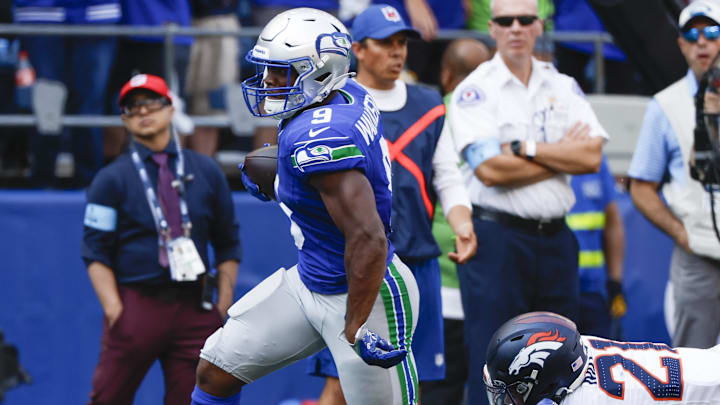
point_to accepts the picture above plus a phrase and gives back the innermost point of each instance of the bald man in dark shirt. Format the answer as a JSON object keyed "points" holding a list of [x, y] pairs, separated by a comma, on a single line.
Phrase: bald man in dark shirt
{"points": [[460, 58]]}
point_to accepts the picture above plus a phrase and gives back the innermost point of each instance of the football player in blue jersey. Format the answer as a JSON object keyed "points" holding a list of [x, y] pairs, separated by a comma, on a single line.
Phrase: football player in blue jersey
{"points": [[349, 291], [424, 171]]}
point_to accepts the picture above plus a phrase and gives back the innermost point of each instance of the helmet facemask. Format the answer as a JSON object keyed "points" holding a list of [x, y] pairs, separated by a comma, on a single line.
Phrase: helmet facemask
{"points": [[278, 102], [307, 42], [500, 393]]}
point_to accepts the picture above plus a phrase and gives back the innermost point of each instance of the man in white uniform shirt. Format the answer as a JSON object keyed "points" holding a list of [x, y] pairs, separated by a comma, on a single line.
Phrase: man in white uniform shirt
{"points": [[523, 128]]}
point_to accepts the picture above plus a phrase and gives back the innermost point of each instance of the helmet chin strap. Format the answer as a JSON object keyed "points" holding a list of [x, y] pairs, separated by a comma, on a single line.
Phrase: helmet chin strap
{"points": [[275, 106], [562, 392], [331, 86], [341, 78], [579, 378]]}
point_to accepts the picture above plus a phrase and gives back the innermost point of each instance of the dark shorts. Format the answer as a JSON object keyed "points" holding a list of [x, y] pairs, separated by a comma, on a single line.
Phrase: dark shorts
{"points": [[451, 390]]}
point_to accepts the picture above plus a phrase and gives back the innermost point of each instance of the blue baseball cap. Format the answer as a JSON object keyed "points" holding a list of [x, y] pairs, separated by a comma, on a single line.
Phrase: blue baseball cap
{"points": [[380, 21]]}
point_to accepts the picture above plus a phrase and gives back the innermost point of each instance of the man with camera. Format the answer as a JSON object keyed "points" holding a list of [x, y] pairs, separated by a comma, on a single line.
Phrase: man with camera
{"points": [[664, 150]]}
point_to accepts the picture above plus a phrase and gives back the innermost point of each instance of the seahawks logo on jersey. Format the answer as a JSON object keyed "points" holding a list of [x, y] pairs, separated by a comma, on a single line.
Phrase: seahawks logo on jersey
{"points": [[309, 155], [539, 347], [313, 154]]}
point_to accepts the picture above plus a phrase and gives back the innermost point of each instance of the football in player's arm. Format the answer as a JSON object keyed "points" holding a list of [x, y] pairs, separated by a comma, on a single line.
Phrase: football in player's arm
{"points": [[349, 291]]}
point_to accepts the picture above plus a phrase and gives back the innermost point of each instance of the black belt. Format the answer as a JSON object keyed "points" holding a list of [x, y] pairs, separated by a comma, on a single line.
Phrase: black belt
{"points": [[169, 291], [533, 226]]}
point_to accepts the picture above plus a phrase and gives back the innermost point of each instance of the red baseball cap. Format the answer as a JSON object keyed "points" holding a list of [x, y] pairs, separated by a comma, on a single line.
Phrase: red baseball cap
{"points": [[148, 82]]}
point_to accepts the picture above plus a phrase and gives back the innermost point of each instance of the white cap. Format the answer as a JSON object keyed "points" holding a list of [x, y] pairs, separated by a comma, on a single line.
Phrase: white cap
{"points": [[700, 8]]}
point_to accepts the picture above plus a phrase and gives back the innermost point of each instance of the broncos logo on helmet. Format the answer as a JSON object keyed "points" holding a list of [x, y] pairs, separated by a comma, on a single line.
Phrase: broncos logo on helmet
{"points": [[538, 348], [534, 356]]}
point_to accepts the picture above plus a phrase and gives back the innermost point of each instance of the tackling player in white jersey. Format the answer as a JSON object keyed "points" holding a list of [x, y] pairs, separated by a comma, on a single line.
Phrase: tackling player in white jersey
{"points": [[349, 291], [540, 358]]}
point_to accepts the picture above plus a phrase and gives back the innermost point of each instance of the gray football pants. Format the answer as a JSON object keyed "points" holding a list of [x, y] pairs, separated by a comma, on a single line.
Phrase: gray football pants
{"points": [[696, 293]]}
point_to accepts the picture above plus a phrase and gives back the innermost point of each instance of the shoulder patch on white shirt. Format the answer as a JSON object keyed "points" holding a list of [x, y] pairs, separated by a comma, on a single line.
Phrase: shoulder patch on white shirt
{"points": [[100, 217], [470, 95]]}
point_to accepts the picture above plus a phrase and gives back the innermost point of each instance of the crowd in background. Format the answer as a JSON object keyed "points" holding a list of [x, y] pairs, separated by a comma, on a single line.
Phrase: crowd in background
{"points": [[92, 69]]}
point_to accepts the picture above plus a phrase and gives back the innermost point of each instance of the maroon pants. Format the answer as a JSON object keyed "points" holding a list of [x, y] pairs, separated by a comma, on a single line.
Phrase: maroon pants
{"points": [[160, 323]]}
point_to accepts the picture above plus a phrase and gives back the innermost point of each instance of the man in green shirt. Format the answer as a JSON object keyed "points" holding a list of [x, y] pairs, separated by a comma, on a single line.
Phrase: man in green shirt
{"points": [[460, 58]]}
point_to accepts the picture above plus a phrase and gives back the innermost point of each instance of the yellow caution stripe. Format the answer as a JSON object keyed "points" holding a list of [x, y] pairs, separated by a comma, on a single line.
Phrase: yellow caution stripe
{"points": [[588, 221]]}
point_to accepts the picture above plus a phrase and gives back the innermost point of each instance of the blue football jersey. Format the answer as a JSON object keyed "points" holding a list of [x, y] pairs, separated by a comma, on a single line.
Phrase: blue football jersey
{"points": [[344, 134]]}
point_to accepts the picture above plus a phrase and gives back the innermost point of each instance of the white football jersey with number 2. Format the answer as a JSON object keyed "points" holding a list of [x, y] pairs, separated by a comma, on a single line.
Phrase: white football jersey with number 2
{"points": [[647, 373]]}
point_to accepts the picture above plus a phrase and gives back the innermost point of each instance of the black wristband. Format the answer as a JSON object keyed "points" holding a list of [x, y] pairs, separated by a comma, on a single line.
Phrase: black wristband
{"points": [[614, 288], [515, 147]]}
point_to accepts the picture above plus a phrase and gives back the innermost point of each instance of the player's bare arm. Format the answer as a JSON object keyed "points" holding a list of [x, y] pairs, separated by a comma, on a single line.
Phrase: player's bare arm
{"points": [[645, 196], [575, 153], [350, 201]]}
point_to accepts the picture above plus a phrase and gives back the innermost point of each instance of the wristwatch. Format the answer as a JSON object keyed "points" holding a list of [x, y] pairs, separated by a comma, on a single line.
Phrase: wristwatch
{"points": [[515, 147], [530, 149]]}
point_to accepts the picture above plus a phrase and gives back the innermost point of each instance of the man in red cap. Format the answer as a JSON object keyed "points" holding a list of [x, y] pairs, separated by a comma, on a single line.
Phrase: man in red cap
{"points": [[149, 217], [151, 128]]}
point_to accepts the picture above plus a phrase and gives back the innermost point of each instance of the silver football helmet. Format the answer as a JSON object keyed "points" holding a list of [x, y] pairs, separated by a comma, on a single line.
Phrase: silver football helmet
{"points": [[313, 44]]}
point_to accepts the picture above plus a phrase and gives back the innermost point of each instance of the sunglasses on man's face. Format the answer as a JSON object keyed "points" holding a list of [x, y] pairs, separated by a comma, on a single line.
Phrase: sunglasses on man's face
{"points": [[711, 33], [507, 20]]}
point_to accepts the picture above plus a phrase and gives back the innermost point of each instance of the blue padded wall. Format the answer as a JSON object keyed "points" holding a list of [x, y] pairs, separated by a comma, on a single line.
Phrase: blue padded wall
{"points": [[49, 310]]}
